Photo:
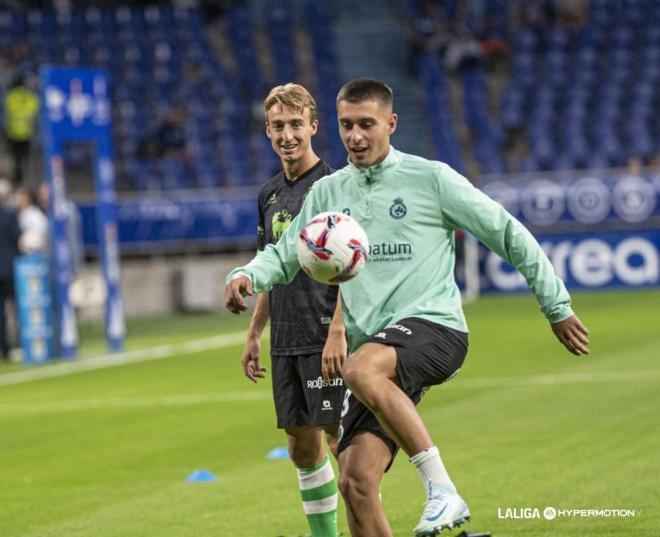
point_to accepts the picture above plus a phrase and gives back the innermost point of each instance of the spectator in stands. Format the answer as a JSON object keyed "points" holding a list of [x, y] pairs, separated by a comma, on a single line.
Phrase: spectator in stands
{"points": [[635, 165], [21, 58], [536, 14], [171, 134], [463, 50], [215, 9], [169, 147], [32, 221], [21, 105], [572, 13], [9, 236], [168, 139], [7, 74], [493, 40], [428, 32], [454, 42]]}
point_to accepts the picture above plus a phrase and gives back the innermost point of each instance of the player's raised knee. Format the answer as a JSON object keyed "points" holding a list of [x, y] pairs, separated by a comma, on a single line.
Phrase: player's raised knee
{"points": [[366, 365], [352, 371]]}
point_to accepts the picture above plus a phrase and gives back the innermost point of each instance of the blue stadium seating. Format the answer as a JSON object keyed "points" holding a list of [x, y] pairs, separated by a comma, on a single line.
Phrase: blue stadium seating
{"points": [[581, 96], [319, 22], [434, 82], [594, 102], [486, 134], [280, 30], [158, 56]]}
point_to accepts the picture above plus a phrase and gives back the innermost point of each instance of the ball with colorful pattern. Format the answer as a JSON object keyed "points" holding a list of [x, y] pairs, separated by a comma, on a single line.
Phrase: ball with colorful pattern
{"points": [[332, 248]]}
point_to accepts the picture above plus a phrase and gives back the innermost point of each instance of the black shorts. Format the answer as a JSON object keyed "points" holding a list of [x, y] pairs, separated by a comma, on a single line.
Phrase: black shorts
{"points": [[302, 396], [427, 354]]}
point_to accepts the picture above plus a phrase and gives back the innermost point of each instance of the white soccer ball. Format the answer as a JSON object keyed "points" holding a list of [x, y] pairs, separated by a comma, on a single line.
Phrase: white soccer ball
{"points": [[332, 248]]}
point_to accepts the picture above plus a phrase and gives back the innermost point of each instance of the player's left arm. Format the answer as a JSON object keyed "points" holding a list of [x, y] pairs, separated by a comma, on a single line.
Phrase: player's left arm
{"points": [[336, 348], [277, 263], [466, 207], [572, 334]]}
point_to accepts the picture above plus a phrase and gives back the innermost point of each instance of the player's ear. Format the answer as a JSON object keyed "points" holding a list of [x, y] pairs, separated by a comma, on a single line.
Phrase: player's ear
{"points": [[314, 126], [268, 129], [391, 123]]}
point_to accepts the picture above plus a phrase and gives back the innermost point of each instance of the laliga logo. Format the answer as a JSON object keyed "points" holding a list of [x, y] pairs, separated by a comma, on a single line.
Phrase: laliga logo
{"points": [[591, 262], [77, 105]]}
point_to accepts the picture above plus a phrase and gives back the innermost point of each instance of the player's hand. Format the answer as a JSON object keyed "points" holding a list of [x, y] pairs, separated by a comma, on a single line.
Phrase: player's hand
{"points": [[573, 335], [250, 360], [334, 354], [235, 290]]}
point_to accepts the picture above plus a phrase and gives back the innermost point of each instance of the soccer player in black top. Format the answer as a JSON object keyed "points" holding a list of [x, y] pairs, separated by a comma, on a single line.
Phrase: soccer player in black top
{"points": [[308, 344]]}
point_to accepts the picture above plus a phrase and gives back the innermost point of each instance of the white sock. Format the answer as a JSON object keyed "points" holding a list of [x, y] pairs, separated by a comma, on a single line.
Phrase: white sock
{"points": [[431, 470]]}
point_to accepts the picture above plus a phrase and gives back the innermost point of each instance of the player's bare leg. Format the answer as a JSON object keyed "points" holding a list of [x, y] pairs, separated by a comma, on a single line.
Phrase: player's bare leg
{"points": [[332, 438], [370, 373], [361, 468], [316, 479], [305, 446]]}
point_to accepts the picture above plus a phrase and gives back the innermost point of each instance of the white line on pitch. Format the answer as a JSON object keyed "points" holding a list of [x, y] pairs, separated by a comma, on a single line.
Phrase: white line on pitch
{"points": [[587, 377], [135, 402], [123, 358], [261, 395]]}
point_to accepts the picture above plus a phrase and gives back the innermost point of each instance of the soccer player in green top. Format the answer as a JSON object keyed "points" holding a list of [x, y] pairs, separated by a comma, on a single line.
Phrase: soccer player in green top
{"points": [[404, 322], [307, 333]]}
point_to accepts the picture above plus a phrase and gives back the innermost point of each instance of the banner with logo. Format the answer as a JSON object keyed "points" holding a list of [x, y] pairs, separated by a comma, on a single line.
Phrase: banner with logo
{"points": [[599, 231], [158, 224], [597, 201], [34, 308], [585, 261], [76, 107]]}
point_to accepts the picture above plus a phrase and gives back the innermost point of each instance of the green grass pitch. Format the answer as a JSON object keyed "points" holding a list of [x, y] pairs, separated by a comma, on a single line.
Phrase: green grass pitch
{"points": [[106, 452]]}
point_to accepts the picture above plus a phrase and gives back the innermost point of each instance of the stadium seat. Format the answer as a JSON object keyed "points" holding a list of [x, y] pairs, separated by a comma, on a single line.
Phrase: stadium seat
{"points": [[279, 26], [563, 162], [529, 164], [526, 40], [605, 75], [434, 83]]}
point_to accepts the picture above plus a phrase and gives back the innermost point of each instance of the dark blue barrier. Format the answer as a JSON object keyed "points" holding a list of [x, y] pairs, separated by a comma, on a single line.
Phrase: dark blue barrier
{"points": [[588, 200], [203, 220], [600, 230]]}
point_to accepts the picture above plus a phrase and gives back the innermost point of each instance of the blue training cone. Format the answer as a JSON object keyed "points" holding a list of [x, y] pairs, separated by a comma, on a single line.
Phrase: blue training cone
{"points": [[201, 476], [278, 453]]}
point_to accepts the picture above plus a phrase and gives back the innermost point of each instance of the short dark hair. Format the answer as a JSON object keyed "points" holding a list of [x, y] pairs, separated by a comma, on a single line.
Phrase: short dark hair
{"points": [[366, 89]]}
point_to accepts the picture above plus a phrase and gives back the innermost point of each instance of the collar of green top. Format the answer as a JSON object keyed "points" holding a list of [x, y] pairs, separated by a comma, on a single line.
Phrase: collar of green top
{"points": [[375, 172]]}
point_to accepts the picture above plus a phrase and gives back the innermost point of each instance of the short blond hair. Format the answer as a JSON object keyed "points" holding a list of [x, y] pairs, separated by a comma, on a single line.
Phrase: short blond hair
{"points": [[293, 96]]}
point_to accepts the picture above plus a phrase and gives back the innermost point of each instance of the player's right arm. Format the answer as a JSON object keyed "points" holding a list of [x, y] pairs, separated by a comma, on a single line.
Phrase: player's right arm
{"points": [[335, 349], [278, 263], [250, 359]]}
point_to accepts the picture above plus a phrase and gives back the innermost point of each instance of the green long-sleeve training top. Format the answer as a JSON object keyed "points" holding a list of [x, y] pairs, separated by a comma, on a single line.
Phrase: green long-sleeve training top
{"points": [[410, 208]]}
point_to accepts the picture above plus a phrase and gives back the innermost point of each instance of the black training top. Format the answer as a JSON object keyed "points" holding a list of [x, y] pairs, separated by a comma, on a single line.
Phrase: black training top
{"points": [[301, 311]]}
